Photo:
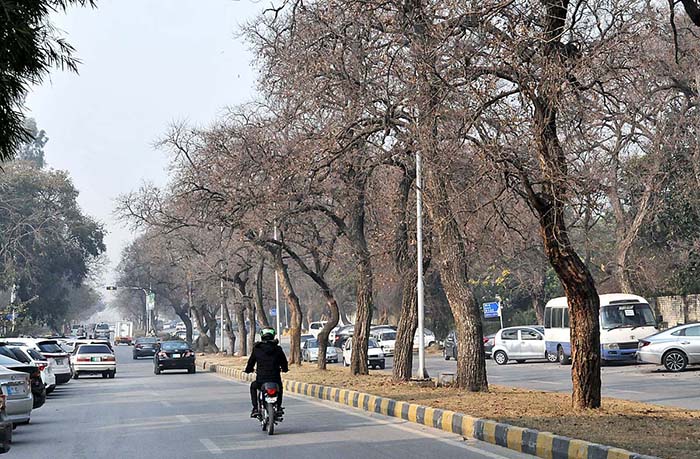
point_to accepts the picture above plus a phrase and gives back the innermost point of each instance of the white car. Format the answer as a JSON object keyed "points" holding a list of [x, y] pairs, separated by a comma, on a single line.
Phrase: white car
{"points": [[315, 328], [93, 359], [57, 357], [675, 348], [16, 387], [386, 339], [26, 354], [309, 352], [375, 356], [519, 344], [428, 337]]}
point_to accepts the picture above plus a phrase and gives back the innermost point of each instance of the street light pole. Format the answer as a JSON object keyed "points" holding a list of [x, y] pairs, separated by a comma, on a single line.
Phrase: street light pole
{"points": [[422, 374], [277, 293]]}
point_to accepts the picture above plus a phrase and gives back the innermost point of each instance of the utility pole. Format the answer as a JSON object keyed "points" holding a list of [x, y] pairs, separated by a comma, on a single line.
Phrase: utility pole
{"points": [[277, 293], [422, 373]]}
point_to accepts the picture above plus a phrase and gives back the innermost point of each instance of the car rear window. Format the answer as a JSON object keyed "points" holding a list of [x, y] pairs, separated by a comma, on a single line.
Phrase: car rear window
{"points": [[146, 340], [20, 356], [35, 355], [5, 360], [174, 346], [94, 349], [50, 348]]}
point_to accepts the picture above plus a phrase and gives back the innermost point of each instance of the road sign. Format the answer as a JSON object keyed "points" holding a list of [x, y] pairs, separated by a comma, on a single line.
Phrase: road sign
{"points": [[492, 310], [150, 301], [273, 312]]}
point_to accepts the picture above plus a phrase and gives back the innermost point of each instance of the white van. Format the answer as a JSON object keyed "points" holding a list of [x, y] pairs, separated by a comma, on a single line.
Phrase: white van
{"points": [[315, 328], [624, 320]]}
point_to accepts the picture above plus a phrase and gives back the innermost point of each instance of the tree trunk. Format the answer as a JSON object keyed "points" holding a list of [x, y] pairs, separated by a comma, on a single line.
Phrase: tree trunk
{"points": [[211, 328], [330, 325], [227, 325], [258, 295], [251, 327], [363, 321], [538, 293], [242, 332], [295, 306], [181, 312], [471, 360], [406, 331]]}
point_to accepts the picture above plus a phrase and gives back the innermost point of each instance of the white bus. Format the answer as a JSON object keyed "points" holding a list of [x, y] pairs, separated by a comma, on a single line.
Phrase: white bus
{"points": [[624, 320]]}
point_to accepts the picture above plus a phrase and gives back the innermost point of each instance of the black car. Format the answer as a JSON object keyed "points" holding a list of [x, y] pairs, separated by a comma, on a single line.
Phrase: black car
{"points": [[38, 389], [450, 349], [144, 347], [174, 355]]}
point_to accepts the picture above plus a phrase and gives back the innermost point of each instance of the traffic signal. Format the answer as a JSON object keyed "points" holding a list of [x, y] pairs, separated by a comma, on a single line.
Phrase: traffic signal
{"points": [[111, 287]]}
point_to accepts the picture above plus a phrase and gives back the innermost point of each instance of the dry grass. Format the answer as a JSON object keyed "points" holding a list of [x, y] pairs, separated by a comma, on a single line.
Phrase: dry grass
{"points": [[639, 427]]}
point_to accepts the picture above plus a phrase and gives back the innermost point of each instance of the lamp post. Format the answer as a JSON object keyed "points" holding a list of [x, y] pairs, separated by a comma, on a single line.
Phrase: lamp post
{"points": [[277, 293], [150, 301], [422, 373]]}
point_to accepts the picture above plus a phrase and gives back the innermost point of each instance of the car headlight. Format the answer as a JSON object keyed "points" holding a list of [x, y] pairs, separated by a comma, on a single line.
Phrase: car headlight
{"points": [[611, 346]]}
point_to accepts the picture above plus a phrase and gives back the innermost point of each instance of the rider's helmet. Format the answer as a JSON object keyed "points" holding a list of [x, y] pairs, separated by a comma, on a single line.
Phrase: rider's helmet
{"points": [[267, 334]]}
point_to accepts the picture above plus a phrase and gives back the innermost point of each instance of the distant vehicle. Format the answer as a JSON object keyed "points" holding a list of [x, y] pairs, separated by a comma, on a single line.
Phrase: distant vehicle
{"points": [[57, 356], [36, 384], [519, 344], [123, 332], [18, 393], [93, 359], [305, 338], [375, 356], [30, 356], [102, 331], [77, 330], [144, 347], [309, 352], [315, 328], [428, 338], [386, 339], [624, 320], [341, 335], [675, 348], [449, 350], [174, 355]]}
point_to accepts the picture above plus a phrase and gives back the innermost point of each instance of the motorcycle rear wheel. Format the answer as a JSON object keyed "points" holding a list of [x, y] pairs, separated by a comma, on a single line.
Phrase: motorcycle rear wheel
{"points": [[271, 418]]}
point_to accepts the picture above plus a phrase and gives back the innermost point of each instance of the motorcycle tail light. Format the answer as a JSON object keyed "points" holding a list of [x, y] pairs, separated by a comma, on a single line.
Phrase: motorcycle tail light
{"points": [[271, 391]]}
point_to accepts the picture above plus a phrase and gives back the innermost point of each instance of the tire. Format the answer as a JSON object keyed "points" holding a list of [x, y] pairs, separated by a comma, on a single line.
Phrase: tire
{"points": [[444, 353], [675, 361], [112, 374], [134, 357], [156, 370], [345, 363], [76, 375], [382, 365], [49, 391], [105, 375], [271, 419], [562, 358], [552, 358], [500, 357], [192, 370], [520, 361]]}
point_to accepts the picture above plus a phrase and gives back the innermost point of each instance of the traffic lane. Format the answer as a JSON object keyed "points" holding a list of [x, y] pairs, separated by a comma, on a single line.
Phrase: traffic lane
{"points": [[643, 383], [176, 415]]}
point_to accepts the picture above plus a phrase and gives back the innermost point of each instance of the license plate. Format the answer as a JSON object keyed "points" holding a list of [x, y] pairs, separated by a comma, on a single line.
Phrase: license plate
{"points": [[96, 359], [13, 390], [176, 356], [59, 361], [272, 399]]}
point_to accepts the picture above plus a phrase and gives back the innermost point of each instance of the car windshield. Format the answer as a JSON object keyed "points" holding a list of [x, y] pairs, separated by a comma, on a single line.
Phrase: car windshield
{"points": [[146, 340], [388, 336], [312, 344], [94, 349], [102, 327], [372, 344], [174, 346], [626, 315], [51, 348]]}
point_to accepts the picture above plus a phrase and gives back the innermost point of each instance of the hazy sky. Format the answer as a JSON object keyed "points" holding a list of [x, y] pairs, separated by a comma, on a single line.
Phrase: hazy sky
{"points": [[146, 64]]}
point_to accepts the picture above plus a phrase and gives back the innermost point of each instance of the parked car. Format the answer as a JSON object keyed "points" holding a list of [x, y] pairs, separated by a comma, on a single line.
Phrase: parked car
{"points": [[519, 344], [428, 338], [16, 389], [174, 355], [93, 359], [30, 356], [144, 347], [309, 352], [5, 426], [375, 356], [386, 339], [35, 383], [341, 335], [449, 350], [58, 358], [315, 328], [305, 338], [675, 348]]}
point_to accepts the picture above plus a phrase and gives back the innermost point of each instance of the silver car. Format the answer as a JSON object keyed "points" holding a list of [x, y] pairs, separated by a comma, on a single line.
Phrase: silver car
{"points": [[675, 348], [19, 402], [309, 352]]}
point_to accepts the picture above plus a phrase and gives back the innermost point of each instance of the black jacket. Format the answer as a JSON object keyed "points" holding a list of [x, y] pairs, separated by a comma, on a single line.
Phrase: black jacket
{"points": [[270, 360]]}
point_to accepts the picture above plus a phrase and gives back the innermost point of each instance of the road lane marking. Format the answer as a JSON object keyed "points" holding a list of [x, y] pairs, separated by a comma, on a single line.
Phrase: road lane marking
{"points": [[210, 446], [183, 419]]}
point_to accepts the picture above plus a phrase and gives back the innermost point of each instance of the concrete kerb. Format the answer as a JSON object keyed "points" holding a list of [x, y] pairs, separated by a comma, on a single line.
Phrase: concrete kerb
{"points": [[541, 444]]}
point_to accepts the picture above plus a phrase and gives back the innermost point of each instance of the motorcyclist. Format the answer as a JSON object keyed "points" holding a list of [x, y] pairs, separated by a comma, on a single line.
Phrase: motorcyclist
{"points": [[270, 360]]}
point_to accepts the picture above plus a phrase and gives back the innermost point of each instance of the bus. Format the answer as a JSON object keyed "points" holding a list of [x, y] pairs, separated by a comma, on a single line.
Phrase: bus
{"points": [[624, 320]]}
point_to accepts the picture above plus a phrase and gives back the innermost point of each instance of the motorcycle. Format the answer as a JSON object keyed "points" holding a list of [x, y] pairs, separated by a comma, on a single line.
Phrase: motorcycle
{"points": [[267, 407]]}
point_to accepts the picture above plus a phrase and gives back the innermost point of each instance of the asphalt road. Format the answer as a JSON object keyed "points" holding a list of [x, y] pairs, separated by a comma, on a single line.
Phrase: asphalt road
{"points": [[176, 415]]}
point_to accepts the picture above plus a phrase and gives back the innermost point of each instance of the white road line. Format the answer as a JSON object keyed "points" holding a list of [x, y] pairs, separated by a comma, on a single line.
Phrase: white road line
{"points": [[183, 419], [166, 404], [210, 446]]}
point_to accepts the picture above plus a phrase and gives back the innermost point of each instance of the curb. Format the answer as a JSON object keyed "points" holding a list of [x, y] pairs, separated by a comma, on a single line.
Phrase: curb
{"points": [[545, 445]]}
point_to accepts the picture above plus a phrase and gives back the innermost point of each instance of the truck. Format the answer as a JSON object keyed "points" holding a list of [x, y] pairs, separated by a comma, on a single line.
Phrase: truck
{"points": [[124, 332]]}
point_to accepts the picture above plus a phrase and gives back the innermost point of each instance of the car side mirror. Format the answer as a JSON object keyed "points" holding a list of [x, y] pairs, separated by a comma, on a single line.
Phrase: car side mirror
{"points": [[540, 337], [659, 319]]}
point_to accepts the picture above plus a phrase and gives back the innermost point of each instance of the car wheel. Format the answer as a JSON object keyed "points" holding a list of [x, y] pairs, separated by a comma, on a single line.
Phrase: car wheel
{"points": [[675, 361], [76, 375], [134, 357], [345, 362], [105, 375], [561, 357], [500, 357], [156, 370], [382, 366], [444, 353], [192, 370], [112, 374], [551, 357]]}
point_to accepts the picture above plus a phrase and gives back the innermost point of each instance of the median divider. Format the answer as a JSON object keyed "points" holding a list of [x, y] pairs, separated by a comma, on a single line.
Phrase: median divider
{"points": [[541, 444]]}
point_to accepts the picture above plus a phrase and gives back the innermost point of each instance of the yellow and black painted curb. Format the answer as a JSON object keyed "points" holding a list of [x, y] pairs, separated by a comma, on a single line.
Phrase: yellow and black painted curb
{"points": [[541, 444]]}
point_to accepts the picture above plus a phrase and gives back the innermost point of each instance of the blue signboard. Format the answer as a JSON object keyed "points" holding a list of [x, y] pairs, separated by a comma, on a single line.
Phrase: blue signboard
{"points": [[273, 312], [492, 310]]}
